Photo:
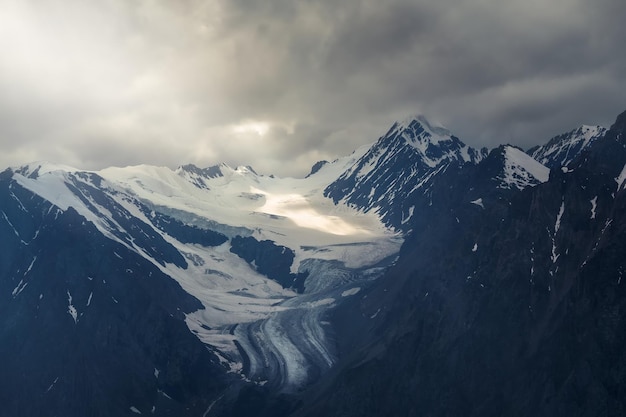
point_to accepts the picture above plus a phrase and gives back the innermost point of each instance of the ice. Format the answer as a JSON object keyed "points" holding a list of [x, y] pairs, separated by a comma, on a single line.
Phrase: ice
{"points": [[135, 410], [475, 247]]}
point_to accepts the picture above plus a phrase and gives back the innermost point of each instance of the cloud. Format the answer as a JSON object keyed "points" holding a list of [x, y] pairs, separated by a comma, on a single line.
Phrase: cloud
{"points": [[116, 83]]}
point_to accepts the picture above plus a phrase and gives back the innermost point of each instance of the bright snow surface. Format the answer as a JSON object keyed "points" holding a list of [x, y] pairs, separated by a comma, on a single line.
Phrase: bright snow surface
{"points": [[281, 332], [521, 170]]}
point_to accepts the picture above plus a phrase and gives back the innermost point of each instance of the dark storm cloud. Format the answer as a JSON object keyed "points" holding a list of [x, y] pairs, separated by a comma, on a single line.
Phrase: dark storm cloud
{"points": [[281, 84]]}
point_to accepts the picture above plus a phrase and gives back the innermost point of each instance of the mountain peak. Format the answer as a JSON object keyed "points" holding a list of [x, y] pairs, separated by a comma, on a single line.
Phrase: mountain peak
{"points": [[405, 159], [34, 169], [562, 149], [520, 170], [420, 123]]}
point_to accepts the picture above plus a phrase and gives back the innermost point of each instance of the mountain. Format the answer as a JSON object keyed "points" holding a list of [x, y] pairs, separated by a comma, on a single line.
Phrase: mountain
{"points": [[398, 168], [561, 150], [89, 326], [510, 167], [187, 285], [416, 276], [509, 307]]}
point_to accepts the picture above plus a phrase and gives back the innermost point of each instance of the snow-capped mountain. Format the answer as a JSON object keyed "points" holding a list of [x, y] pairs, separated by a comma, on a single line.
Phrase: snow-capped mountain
{"points": [[220, 291], [511, 304], [562, 149], [510, 167], [221, 233], [399, 167]]}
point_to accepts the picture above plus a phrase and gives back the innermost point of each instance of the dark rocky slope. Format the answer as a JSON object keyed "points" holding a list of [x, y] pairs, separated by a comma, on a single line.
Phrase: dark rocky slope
{"points": [[516, 309], [88, 327]]}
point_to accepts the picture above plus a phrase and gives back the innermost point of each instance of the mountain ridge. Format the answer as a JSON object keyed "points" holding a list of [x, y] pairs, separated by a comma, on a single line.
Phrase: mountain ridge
{"points": [[280, 283]]}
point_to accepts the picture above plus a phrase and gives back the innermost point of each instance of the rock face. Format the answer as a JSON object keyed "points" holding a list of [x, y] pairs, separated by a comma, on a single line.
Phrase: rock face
{"points": [[271, 260], [398, 169], [512, 307], [563, 149]]}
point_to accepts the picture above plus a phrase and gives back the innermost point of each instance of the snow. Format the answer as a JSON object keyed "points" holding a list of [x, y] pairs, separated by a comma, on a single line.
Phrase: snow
{"points": [[350, 292], [71, 310], [621, 179], [594, 205], [322, 302], [280, 208], [208, 410], [563, 149], [521, 170], [298, 209], [407, 218], [435, 129], [30, 266], [478, 202], [557, 224], [52, 385], [20, 287], [6, 218], [554, 256]]}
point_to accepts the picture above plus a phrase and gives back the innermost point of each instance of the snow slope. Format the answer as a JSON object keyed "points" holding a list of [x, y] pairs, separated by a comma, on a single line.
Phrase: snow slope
{"points": [[521, 170]]}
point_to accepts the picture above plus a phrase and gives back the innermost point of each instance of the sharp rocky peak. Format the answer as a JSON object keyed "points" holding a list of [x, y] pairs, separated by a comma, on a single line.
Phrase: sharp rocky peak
{"points": [[518, 169], [561, 150], [213, 171], [398, 166], [422, 123], [431, 141]]}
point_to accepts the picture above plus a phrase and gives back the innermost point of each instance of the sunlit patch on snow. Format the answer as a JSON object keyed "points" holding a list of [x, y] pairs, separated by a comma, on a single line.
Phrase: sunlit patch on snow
{"points": [[296, 208]]}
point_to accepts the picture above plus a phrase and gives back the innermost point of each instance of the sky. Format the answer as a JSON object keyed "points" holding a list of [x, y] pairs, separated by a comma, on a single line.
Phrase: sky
{"points": [[281, 84]]}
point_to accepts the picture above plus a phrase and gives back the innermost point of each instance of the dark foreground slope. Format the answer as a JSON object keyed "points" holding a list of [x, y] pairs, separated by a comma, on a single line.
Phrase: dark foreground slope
{"points": [[88, 327], [516, 309]]}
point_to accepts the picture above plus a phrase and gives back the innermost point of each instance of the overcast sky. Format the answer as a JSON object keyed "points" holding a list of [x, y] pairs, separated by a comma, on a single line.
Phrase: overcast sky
{"points": [[281, 84]]}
